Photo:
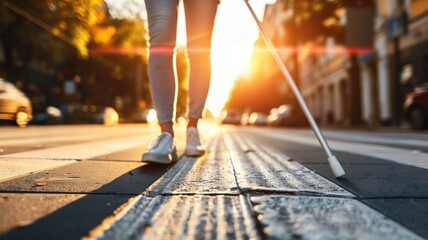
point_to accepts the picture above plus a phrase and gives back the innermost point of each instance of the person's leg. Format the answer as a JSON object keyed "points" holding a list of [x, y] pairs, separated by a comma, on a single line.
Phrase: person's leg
{"points": [[162, 20], [200, 16], [193, 122]]}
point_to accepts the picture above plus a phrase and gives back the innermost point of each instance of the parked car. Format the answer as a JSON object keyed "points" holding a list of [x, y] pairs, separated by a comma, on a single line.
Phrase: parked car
{"points": [[244, 118], [257, 119], [51, 115], [231, 116], [77, 113], [416, 107], [144, 116], [286, 115], [14, 105]]}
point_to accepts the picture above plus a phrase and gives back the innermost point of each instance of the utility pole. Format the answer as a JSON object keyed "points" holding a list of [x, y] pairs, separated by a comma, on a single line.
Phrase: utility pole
{"points": [[396, 27]]}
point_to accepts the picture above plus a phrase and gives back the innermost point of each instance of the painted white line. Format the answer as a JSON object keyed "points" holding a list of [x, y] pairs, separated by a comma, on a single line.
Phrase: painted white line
{"points": [[377, 139], [19, 164], [14, 169], [402, 156], [399, 139], [41, 131], [62, 134], [46, 140]]}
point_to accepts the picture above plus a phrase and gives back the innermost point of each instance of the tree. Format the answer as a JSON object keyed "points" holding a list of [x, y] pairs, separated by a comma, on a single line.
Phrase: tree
{"points": [[50, 41], [123, 42], [26, 22], [317, 18]]}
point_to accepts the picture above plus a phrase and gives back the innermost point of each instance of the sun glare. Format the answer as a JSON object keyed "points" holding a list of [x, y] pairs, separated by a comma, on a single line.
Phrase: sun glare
{"points": [[234, 35], [233, 41]]}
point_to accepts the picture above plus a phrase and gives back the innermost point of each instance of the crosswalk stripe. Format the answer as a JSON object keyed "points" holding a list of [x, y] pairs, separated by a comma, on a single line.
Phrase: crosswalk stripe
{"points": [[14, 169], [66, 134], [411, 139], [41, 131], [19, 164], [376, 139], [407, 157], [55, 139]]}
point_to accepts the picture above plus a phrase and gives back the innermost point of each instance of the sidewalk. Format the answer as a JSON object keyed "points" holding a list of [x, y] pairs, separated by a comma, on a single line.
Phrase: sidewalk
{"points": [[243, 189]]}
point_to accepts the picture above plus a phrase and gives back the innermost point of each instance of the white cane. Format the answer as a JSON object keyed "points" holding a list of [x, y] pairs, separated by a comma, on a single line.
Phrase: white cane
{"points": [[332, 160]]}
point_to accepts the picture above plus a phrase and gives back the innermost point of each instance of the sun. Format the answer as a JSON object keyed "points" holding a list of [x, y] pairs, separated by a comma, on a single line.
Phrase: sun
{"points": [[229, 60], [233, 42]]}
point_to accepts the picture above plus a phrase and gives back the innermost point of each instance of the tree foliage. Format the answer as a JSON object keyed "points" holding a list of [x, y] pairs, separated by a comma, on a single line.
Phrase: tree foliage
{"points": [[309, 17], [53, 39], [28, 23], [43, 30]]}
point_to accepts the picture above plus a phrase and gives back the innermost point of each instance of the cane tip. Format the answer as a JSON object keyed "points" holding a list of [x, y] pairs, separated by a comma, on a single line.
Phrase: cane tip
{"points": [[336, 167]]}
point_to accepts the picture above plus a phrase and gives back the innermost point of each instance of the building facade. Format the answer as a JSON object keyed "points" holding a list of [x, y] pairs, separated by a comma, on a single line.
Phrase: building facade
{"points": [[363, 78], [401, 42]]}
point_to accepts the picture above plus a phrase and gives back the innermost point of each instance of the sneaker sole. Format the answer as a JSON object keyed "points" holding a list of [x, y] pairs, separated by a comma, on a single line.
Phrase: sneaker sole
{"points": [[194, 152], [160, 158]]}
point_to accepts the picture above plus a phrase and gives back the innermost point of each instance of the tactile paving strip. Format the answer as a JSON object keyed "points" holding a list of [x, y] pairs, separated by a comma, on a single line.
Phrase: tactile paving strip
{"points": [[210, 174], [301, 217], [184, 217], [260, 168]]}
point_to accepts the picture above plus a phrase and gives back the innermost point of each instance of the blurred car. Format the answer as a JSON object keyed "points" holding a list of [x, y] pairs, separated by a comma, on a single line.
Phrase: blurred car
{"points": [[51, 115], [77, 113], [140, 116], [14, 105], [416, 107], [144, 116], [231, 116], [257, 119], [286, 115], [108, 116], [244, 118]]}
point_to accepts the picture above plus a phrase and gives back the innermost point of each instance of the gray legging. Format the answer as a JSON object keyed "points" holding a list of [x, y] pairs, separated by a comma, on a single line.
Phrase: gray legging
{"points": [[162, 19]]}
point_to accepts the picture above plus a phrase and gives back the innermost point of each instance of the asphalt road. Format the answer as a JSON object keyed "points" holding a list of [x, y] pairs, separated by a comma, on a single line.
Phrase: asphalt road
{"points": [[62, 182]]}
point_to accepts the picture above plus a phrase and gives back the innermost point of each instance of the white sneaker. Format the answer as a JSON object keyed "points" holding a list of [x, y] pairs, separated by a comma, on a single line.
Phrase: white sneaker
{"points": [[163, 150], [194, 146]]}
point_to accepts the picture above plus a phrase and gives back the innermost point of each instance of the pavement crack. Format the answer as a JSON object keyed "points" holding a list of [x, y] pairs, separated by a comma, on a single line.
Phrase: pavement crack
{"points": [[246, 201], [234, 171]]}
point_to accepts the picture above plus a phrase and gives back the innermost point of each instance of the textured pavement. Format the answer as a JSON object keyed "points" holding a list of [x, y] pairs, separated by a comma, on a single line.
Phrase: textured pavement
{"points": [[254, 183], [246, 190]]}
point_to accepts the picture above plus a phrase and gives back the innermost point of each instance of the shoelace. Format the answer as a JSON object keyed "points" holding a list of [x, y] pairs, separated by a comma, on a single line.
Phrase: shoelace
{"points": [[160, 141]]}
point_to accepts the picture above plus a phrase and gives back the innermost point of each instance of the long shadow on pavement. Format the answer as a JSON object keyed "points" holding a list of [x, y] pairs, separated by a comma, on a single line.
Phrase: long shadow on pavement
{"points": [[76, 219]]}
